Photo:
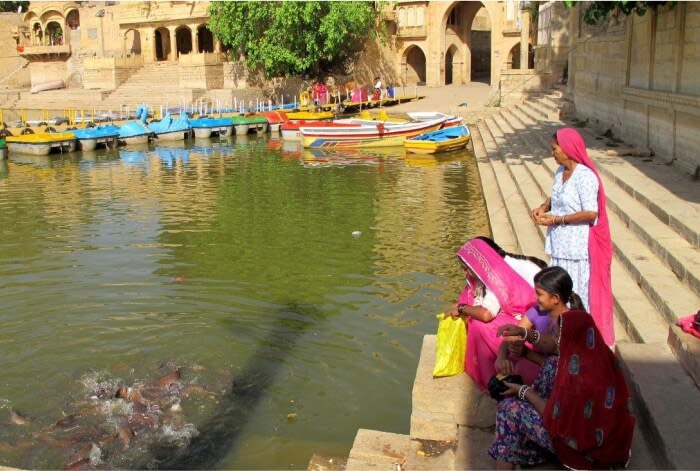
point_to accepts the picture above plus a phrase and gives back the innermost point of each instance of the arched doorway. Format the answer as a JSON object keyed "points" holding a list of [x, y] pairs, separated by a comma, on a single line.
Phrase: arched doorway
{"points": [[414, 68], [53, 34], [73, 19], [37, 35], [480, 45], [162, 44], [450, 59], [183, 37], [132, 43], [205, 39]]}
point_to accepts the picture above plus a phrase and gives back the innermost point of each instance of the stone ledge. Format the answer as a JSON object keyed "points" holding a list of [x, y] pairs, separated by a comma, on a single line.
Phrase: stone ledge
{"points": [[667, 404], [687, 350]]}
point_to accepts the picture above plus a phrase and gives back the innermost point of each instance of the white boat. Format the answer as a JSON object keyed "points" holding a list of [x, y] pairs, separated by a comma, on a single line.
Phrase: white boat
{"points": [[377, 134]]}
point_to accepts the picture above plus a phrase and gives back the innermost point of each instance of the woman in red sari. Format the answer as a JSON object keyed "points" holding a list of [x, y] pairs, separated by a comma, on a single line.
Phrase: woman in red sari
{"points": [[578, 408]]}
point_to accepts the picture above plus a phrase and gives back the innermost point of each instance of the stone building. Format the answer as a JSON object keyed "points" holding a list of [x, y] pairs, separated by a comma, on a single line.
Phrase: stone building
{"points": [[101, 45], [634, 77]]}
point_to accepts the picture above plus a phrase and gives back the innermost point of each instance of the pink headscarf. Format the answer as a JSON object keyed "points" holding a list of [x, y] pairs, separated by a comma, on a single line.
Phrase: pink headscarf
{"points": [[599, 243], [514, 294]]}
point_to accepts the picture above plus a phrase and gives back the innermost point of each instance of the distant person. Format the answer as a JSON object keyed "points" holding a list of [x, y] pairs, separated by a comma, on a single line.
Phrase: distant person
{"points": [[578, 234], [377, 95]]}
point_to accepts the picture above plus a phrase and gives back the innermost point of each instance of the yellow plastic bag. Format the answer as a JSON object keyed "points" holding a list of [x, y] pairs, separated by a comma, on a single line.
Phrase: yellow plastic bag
{"points": [[451, 346]]}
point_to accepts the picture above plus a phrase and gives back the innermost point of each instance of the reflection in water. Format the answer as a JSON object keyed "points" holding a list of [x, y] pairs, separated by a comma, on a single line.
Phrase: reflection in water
{"points": [[273, 288]]}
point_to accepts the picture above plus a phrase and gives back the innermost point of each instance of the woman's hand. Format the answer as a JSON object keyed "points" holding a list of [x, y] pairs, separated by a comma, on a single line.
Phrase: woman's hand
{"points": [[516, 347], [546, 219], [513, 388], [511, 330], [539, 211], [504, 366], [454, 312]]}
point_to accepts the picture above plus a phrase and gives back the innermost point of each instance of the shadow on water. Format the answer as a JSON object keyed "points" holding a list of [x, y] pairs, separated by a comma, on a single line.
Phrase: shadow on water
{"points": [[218, 436]]}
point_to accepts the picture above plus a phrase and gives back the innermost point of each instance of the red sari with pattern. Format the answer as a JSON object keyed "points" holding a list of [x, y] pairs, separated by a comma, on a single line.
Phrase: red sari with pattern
{"points": [[588, 414]]}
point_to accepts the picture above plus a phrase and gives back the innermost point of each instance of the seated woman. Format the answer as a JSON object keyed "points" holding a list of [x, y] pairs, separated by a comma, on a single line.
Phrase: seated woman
{"points": [[494, 295], [514, 355], [577, 409]]}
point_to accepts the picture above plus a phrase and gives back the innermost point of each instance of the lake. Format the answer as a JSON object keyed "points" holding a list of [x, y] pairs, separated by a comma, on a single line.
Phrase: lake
{"points": [[292, 289]]}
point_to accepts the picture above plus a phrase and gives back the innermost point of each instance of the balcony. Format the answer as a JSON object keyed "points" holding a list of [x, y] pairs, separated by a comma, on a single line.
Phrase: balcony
{"points": [[42, 53], [411, 32]]}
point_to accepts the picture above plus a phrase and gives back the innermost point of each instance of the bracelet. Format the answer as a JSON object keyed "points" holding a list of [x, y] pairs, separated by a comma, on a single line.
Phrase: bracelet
{"points": [[524, 337], [563, 221], [536, 335], [460, 309], [522, 391]]}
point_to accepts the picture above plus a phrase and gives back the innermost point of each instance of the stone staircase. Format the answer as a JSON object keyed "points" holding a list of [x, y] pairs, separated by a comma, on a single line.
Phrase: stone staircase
{"points": [[653, 210], [155, 84]]}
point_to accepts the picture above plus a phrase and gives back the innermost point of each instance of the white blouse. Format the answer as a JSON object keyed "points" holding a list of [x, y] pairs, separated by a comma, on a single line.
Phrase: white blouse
{"points": [[578, 193]]}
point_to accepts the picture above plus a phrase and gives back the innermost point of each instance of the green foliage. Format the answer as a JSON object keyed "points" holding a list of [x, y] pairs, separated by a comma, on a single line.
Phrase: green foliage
{"points": [[12, 6], [596, 12], [293, 37]]}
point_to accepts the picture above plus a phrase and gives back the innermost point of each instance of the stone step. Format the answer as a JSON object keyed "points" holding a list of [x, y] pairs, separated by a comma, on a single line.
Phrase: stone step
{"points": [[639, 322], [666, 404], [626, 294], [657, 245], [495, 204], [668, 200], [525, 232]]}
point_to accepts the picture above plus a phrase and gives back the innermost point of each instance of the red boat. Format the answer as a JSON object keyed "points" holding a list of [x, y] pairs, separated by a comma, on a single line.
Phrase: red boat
{"points": [[290, 129]]}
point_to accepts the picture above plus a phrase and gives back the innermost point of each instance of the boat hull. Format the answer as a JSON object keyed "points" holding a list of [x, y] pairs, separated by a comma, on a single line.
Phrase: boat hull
{"points": [[205, 132], [142, 139], [179, 135], [110, 142], [443, 140], [421, 147], [41, 143], [379, 135]]}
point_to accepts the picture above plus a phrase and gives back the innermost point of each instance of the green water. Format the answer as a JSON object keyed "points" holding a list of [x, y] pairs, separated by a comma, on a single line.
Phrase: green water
{"points": [[295, 287]]}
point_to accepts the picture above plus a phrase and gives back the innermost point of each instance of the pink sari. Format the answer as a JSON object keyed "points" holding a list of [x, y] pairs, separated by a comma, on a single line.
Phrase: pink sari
{"points": [[599, 242], [514, 295]]}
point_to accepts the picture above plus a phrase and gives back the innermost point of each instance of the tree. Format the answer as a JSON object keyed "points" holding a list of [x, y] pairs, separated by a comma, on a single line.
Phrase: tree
{"points": [[12, 6], [596, 12], [293, 37]]}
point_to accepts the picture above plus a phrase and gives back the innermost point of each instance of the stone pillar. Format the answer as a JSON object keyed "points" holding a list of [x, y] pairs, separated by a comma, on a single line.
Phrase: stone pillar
{"points": [[173, 45], [217, 45], [524, 38], [195, 39]]}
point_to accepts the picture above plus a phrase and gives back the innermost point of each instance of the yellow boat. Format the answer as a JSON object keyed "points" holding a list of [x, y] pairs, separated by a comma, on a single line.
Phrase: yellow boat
{"points": [[442, 140], [381, 116], [310, 115], [42, 143]]}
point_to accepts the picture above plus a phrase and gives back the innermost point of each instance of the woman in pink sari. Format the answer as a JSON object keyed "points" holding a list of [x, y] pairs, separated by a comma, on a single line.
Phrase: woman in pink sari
{"points": [[578, 233], [495, 294]]}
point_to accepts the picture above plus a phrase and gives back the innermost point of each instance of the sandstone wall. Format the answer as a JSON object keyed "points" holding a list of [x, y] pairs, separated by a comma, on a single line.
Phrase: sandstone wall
{"points": [[638, 78]]}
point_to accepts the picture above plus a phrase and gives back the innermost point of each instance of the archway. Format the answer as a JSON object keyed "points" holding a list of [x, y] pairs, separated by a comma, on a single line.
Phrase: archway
{"points": [[73, 19], [183, 37], [414, 69], [480, 45], [132, 42], [162, 44], [54, 34], [205, 39], [450, 59], [37, 35]]}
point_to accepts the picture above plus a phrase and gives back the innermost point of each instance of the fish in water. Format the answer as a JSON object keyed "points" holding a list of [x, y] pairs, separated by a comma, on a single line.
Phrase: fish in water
{"points": [[18, 418]]}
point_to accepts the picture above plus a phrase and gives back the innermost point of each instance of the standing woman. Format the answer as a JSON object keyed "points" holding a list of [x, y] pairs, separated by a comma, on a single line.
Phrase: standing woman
{"points": [[578, 233]]}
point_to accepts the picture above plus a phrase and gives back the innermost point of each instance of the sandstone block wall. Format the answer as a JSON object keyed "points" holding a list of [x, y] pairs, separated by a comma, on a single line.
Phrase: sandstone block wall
{"points": [[638, 77]]}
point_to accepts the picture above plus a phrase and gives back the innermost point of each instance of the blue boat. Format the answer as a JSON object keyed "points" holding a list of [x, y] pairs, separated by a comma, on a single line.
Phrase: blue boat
{"points": [[169, 129], [205, 127], [134, 132], [442, 140], [89, 138]]}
